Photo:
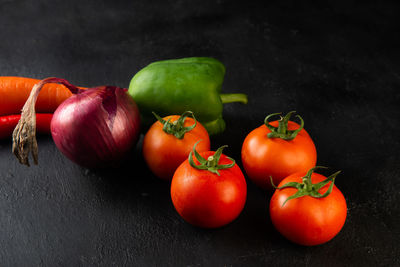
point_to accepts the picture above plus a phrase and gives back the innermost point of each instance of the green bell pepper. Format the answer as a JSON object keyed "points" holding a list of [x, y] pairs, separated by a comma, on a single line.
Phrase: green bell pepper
{"points": [[174, 86]]}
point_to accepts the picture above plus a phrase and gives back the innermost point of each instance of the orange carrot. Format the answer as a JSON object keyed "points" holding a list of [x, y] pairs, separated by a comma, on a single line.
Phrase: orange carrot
{"points": [[14, 91]]}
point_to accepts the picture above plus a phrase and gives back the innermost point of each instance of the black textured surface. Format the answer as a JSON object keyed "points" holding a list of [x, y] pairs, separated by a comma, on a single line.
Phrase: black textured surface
{"points": [[337, 65]]}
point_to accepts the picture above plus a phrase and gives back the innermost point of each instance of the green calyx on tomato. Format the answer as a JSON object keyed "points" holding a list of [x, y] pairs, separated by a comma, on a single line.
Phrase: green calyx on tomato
{"points": [[282, 130], [211, 163], [176, 128], [307, 188]]}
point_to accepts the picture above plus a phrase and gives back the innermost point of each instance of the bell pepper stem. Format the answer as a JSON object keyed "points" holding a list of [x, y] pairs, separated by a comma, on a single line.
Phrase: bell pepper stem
{"points": [[230, 98]]}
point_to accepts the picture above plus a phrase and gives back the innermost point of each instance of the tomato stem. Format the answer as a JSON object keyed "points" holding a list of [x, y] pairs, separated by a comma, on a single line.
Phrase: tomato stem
{"points": [[282, 130], [211, 163], [176, 128], [307, 188]]}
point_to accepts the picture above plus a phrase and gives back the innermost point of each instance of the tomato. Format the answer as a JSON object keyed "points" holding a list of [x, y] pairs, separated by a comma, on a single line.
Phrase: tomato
{"points": [[263, 156], [164, 152], [206, 199], [308, 220]]}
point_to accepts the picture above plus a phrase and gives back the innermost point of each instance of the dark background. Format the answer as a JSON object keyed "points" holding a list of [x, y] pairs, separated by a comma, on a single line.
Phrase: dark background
{"points": [[337, 64]]}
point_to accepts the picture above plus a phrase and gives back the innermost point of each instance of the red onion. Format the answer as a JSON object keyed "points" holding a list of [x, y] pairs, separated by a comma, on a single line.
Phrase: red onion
{"points": [[94, 127]]}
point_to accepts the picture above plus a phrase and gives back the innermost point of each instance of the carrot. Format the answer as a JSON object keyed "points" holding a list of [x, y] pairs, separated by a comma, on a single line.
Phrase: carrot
{"points": [[8, 123], [14, 91]]}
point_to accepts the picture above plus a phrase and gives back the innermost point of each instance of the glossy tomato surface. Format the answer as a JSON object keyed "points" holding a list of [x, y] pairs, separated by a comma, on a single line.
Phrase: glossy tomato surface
{"points": [[205, 199], [164, 152], [263, 157], [307, 220]]}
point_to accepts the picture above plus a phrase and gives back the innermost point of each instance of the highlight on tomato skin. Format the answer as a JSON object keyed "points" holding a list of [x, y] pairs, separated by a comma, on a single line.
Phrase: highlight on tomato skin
{"points": [[308, 220], [209, 199]]}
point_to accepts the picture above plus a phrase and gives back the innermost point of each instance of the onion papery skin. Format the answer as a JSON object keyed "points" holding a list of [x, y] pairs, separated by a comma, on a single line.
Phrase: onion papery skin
{"points": [[97, 127]]}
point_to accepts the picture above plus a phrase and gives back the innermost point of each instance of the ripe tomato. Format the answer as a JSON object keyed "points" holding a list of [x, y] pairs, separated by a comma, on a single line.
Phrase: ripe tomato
{"points": [[164, 152], [263, 156], [206, 199], [308, 220]]}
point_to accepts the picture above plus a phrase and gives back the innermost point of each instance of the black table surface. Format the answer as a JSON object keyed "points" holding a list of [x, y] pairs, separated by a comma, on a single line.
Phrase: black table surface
{"points": [[336, 64]]}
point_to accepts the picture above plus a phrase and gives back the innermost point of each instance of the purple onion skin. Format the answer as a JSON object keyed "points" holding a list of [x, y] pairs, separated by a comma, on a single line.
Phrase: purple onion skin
{"points": [[97, 127]]}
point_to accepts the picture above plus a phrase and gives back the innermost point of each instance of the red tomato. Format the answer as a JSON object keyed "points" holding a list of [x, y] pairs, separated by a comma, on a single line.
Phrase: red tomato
{"points": [[205, 199], [164, 152], [263, 157], [307, 220]]}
